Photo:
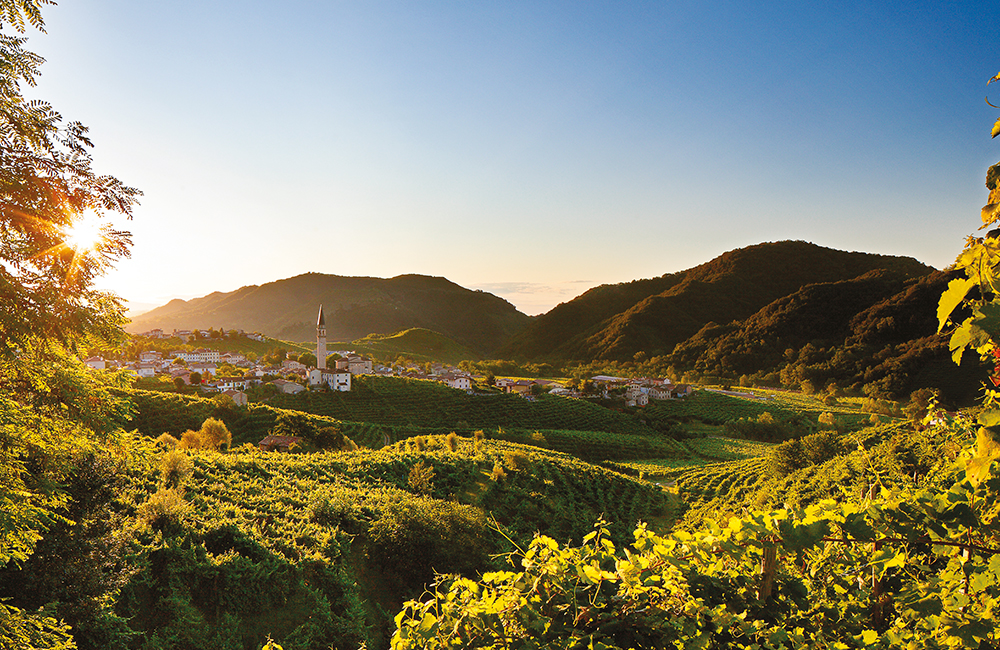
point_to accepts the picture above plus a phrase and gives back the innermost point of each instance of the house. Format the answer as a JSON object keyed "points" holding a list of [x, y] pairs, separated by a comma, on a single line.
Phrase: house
{"points": [[683, 390], [204, 355], [150, 355], [97, 363], [239, 397], [521, 387], [183, 373], [461, 382], [203, 368], [288, 364], [664, 391], [278, 443], [232, 383], [289, 387], [503, 382], [355, 364], [146, 369], [184, 335], [339, 380]]}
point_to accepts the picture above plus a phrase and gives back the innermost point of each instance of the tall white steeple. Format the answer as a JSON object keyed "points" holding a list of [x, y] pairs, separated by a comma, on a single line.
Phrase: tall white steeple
{"points": [[321, 340]]}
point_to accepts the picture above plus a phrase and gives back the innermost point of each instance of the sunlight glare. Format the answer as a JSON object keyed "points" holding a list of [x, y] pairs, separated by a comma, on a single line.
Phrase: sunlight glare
{"points": [[85, 234]]}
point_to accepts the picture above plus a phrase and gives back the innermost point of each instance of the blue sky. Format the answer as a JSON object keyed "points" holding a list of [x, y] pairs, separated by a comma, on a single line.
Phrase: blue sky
{"points": [[529, 149]]}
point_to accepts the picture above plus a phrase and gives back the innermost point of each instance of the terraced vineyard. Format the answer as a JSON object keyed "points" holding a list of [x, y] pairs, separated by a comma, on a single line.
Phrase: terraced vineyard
{"points": [[719, 408], [406, 402], [298, 533], [884, 454]]}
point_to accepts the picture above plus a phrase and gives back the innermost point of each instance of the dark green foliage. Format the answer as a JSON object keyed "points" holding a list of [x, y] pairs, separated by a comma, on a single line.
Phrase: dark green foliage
{"points": [[413, 538], [77, 566], [617, 321], [801, 452], [875, 333]]}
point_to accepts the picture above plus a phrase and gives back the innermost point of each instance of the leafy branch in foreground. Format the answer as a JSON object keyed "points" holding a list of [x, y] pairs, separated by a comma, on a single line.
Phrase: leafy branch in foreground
{"points": [[918, 565]]}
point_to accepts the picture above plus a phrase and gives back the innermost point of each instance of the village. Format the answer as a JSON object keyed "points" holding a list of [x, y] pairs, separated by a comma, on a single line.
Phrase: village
{"points": [[233, 374]]}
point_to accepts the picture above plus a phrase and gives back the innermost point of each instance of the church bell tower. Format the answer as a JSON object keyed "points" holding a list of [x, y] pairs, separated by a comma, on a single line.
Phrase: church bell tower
{"points": [[321, 340]]}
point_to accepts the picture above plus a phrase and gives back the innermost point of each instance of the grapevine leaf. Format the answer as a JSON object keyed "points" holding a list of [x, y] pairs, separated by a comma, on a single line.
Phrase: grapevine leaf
{"points": [[855, 526], [952, 298], [973, 632], [797, 538], [989, 418], [886, 559], [996, 129], [993, 177], [989, 212], [929, 605], [869, 637], [988, 320]]}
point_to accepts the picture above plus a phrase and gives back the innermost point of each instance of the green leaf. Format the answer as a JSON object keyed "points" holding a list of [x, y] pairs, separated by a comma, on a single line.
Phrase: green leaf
{"points": [[989, 418], [796, 538], [952, 298]]}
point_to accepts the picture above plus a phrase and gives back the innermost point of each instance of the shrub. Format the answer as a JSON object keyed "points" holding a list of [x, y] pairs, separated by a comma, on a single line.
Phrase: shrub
{"points": [[332, 439], [165, 511], [167, 442], [451, 441], [516, 460], [416, 536], [421, 478], [191, 440], [214, 434], [175, 468]]}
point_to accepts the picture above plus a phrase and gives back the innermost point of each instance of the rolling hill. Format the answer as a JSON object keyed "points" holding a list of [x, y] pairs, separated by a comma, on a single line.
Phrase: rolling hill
{"points": [[613, 322], [354, 306]]}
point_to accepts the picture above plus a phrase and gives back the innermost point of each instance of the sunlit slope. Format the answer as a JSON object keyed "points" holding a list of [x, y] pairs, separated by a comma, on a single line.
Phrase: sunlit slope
{"points": [[354, 307]]}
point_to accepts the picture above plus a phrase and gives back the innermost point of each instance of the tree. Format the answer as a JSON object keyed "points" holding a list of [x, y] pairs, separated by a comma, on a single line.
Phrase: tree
{"points": [[214, 434], [48, 188]]}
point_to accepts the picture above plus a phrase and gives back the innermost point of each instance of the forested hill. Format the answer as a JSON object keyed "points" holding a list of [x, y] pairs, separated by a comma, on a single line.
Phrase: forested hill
{"points": [[354, 307], [614, 322]]}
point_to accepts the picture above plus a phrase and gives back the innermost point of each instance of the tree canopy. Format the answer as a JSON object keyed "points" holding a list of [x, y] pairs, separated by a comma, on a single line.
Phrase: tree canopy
{"points": [[48, 189]]}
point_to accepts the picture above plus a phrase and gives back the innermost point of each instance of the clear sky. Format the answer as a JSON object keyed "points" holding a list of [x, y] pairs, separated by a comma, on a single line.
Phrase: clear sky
{"points": [[531, 149]]}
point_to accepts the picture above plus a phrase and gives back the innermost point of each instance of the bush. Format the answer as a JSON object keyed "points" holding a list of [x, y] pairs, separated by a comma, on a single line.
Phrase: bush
{"points": [[421, 478], [416, 537], [793, 455], [191, 440], [165, 511], [516, 460], [175, 468], [167, 442], [451, 440], [214, 434]]}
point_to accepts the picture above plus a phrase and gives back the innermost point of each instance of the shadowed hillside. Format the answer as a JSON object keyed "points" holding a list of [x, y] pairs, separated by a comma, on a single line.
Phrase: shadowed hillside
{"points": [[615, 321], [354, 306]]}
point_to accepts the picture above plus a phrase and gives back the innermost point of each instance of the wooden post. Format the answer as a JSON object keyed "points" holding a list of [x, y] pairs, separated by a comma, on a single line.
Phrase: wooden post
{"points": [[768, 565]]}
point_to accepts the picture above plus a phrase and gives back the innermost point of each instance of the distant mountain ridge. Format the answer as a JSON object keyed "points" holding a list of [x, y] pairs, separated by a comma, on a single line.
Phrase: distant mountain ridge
{"points": [[354, 307], [614, 322]]}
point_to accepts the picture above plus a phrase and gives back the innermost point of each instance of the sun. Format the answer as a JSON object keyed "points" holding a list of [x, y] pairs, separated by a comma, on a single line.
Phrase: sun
{"points": [[84, 235]]}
